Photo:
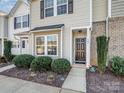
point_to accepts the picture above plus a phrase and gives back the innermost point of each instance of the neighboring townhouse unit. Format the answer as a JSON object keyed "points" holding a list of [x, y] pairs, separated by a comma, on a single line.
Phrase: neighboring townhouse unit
{"points": [[3, 30], [18, 26], [66, 28], [61, 29]]}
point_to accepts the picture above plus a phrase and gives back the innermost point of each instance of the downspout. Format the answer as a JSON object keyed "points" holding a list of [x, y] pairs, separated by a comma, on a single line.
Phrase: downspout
{"points": [[107, 18], [107, 25]]}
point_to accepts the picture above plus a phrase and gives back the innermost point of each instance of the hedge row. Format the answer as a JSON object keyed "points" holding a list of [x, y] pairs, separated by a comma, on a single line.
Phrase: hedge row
{"points": [[43, 63]]}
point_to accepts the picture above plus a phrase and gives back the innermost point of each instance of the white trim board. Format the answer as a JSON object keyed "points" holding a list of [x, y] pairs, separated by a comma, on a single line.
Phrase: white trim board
{"points": [[45, 36], [88, 44]]}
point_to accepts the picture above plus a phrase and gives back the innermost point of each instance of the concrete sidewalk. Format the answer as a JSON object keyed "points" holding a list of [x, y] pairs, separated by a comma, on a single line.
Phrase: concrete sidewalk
{"points": [[75, 83], [14, 85], [76, 79]]}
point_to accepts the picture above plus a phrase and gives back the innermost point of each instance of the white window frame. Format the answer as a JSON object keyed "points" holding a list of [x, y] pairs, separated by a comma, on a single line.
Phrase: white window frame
{"points": [[45, 44], [62, 5], [25, 21], [20, 21], [55, 8], [15, 44], [49, 8], [21, 16]]}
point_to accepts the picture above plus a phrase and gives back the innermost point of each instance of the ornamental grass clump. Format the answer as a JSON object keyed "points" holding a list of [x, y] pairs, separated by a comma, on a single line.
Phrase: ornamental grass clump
{"points": [[102, 52]]}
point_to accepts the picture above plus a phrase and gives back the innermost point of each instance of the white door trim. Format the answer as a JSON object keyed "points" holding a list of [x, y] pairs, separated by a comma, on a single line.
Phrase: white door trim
{"points": [[26, 45], [88, 45], [75, 45]]}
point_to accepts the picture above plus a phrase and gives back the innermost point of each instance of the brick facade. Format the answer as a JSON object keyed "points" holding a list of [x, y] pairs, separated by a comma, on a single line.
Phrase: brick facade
{"points": [[116, 34], [98, 30]]}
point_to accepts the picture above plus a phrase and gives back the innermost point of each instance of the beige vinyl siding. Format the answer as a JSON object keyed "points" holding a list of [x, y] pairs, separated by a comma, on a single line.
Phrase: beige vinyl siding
{"points": [[80, 17], [99, 10], [117, 8], [3, 26]]}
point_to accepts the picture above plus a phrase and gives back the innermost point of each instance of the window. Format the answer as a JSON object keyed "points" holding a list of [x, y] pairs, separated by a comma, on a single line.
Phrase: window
{"points": [[15, 44], [49, 8], [54, 7], [18, 22], [61, 7], [40, 45], [21, 22], [52, 45], [46, 45], [25, 20], [23, 43]]}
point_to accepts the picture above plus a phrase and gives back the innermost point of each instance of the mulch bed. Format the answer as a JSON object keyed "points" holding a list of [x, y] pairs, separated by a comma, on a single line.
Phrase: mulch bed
{"points": [[5, 64], [107, 83], [48, 77]]}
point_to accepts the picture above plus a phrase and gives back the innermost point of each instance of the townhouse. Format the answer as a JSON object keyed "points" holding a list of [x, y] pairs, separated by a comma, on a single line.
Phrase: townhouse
{"points": [[66, 28], [3, 30]]}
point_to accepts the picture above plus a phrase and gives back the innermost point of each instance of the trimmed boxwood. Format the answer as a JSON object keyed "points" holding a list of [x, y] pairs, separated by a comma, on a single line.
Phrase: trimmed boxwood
{"points": [[61, 66], [41, 63], [23, 60], [117, 65]]}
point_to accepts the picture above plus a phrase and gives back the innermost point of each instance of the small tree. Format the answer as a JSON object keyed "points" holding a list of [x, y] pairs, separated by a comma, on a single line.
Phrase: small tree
{"points": [[7, 50], [102, 52]]}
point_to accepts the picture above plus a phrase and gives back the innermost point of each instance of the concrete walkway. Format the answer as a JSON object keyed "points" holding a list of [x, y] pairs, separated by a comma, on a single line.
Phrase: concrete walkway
{"points": [[6, 68], [14, 85], [75, 83], [76, 79]]}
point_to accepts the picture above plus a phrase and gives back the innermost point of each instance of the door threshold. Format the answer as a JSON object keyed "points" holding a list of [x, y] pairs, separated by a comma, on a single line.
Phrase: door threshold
{"points": [[80, 62]]}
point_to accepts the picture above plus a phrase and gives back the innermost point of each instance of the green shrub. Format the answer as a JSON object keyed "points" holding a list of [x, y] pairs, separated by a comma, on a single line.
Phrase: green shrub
{"points": [[61, 66], [117, 65], [23, 60], [7, 50], [41, 63], [102, 52]]}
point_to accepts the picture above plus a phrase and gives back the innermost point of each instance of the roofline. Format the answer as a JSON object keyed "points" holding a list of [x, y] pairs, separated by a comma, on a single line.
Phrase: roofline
{"points": [[12, 11], [3, 13]]}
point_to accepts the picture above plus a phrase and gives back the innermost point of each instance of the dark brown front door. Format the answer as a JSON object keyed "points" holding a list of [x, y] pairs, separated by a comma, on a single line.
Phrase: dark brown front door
{"points": [[80, 50]]}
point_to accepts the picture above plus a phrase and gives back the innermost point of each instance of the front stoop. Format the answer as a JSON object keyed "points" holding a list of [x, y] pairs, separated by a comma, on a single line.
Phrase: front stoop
{"points": [[76, 80]]}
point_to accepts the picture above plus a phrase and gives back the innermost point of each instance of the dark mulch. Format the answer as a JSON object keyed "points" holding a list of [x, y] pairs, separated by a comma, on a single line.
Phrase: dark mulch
{"points": [[48, 77], [107, 83], [5, 64]]}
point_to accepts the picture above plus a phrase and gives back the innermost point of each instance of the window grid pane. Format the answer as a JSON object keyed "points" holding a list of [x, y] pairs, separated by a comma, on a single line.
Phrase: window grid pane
{"points": [[49, 3], [61, 2], [52, 45], [25, 21], [40, 50], [52, 50], [18, 22], [40, 41], [62, 9], [49, 12]]}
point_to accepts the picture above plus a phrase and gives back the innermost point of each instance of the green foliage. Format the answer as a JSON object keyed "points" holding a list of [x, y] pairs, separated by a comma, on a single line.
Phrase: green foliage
{"points": [[23, 60], [7, 50], [61, 66], [102, 52], [117, 65], [41, 63]]}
